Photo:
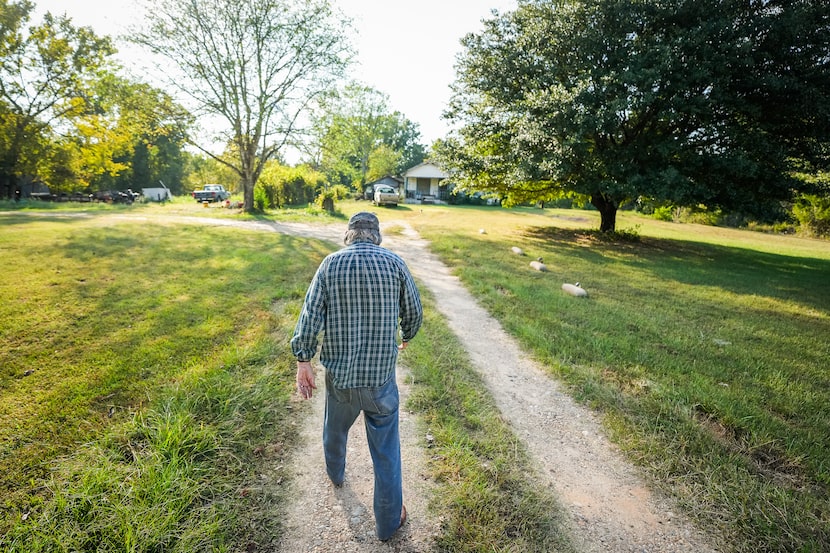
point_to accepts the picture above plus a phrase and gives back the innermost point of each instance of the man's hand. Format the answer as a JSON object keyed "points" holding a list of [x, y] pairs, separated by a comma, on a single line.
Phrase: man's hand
{"points": [[402, 346], [305, 379]]}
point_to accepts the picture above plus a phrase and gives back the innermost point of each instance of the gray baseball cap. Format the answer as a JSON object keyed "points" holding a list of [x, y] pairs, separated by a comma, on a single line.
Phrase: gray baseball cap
{"points": [[364, 220]]}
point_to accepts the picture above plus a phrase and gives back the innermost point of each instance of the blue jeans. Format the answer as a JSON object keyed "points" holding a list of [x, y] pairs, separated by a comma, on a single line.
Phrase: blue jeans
{"points": [[380, 414]]}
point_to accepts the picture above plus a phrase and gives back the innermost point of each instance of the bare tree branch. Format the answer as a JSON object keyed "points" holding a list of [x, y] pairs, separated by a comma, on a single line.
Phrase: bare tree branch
{"points": [[255, 65]]}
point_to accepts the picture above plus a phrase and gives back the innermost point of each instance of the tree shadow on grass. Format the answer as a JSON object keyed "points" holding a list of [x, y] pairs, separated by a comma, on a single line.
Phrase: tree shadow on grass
{"points": [[802, 280]]}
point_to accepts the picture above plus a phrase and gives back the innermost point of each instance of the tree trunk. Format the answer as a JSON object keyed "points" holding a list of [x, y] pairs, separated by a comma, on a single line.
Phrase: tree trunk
{"points": [[247, 196], [9, 166], [607, 209], [249, 174], [7, 185]]}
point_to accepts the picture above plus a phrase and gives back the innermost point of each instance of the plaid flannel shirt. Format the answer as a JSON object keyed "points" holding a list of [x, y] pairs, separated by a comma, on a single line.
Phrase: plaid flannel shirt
{"points": [[358, 297]]}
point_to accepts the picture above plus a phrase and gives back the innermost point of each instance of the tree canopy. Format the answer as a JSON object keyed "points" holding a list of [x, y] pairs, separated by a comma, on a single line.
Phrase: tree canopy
{"points": [[46, 75], [713, 102], [137, 129], [359, 139], [254, 66], [69, 121]]}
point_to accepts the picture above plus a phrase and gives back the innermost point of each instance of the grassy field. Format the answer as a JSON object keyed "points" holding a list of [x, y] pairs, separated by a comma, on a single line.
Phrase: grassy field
{"points": [[145, 382], [704, 348], [146, 386]]}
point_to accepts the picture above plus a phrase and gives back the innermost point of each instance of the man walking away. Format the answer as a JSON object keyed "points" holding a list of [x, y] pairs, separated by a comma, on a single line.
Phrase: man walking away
{"points": [[360, 297]]}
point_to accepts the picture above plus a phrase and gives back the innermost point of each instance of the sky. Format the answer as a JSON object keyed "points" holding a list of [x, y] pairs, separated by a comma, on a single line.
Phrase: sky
{"points": [[406, 49]]}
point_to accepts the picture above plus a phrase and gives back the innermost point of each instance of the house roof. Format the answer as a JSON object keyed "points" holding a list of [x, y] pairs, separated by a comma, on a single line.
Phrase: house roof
{"points": [[385, 180], [426, 169]]}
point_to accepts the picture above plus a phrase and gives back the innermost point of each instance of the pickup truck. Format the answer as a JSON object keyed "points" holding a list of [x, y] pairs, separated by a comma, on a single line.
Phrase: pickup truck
{"points": [[211, 193], [386, 195]]}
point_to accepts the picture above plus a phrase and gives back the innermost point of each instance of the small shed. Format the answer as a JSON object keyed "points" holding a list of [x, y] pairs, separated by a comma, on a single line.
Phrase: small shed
{"points": [[425, 183], [27, 188], [156, 194]]}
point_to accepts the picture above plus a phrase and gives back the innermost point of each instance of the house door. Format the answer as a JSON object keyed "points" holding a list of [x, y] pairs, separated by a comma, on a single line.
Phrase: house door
{"points": [[422, 186]]}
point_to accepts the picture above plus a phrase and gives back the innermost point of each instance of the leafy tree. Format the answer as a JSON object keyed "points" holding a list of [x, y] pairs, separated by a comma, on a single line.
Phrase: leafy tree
{"points": [[46, 71], [98, 145], [359, 137], [352, 122], [404, 137], [149, 126], [130, 136], [167, 163], [253, 65], [713, 102], [383, 160], [201, 169]]}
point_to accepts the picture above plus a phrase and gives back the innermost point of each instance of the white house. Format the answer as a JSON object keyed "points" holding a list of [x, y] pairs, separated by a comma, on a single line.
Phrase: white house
{"points": [[424, 183]]}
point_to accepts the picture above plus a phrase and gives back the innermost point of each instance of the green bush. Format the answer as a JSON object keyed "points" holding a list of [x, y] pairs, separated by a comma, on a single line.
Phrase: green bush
{"points": [[664, 213], [261, 198], [813, 214], [325, 200], [283, 186], [701, 215], [340, 192]]}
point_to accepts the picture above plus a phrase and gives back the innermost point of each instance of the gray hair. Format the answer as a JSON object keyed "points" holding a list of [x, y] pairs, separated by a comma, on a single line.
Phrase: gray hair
{"points": [[362, 235]]}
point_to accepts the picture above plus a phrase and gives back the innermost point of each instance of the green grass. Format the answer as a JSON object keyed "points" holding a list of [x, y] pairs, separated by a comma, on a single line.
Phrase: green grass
{"points": [[153, 408], [705, 348], [145, 382], [159, 411]]}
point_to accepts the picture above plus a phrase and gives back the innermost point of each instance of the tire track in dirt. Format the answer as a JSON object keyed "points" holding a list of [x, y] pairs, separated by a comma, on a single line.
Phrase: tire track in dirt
{"points": [[324, 518], [611, 506]]}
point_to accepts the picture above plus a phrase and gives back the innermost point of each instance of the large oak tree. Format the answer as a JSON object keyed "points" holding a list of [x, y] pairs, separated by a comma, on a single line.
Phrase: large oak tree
{"points": [[252, 65], [713, 102]]}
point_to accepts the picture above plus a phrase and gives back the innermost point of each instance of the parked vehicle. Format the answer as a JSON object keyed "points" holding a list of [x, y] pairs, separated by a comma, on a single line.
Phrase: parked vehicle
{"points": [[108, 196], [211, 193], [386, 195]]}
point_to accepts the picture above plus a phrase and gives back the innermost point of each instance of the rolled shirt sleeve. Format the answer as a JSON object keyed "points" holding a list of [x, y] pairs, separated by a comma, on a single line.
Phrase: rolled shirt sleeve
{"points": [[311, 320], [412, 314]]}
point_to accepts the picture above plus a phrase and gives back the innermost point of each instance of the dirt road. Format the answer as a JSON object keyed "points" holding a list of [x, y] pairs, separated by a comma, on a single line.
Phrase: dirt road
{"points": [[612, 508]]}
